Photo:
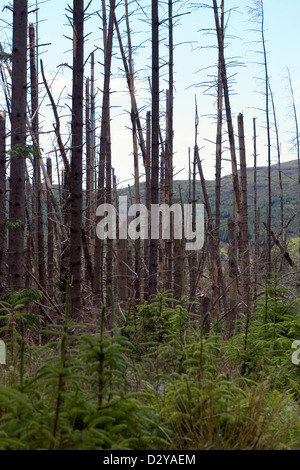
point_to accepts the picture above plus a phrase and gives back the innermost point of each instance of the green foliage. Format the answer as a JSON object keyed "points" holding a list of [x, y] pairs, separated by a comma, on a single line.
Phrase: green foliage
{"points": [[217, 412], [159, 329], [266, 349], [78, 398], [4, 56], [18, 224], [160, 383], [19, 150], [13, 318]]}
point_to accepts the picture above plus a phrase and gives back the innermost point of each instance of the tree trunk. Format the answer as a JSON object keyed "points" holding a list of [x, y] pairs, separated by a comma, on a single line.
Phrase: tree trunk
{"points": [[245, 256], [76, 161], [147, 163], [104, 162], [155, 143], [169, 148], [232, 273], [2, 203], [221, 284], [50, 249], [267, 111], [256, 219], [235, 178], [18, 143], [38, 226], [179, 260], [135, 153]]}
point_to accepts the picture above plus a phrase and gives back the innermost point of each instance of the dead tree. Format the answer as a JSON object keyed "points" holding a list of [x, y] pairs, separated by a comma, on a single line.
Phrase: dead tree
{"points": [[148, 198], [232, 273], [18, 144], [153, 256], [278, 148], [135, 152], [2, 203], [256, 214], [258, 14], [235, 178], [104, 161], [220, 283], [169, 146], [76, 159], [179, 259], [90, 160], [50, 238], [38, 226], [245, 255]]}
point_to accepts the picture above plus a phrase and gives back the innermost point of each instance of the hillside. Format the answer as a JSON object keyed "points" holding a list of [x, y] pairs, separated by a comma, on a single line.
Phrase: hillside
{"points": [[290, 194]]}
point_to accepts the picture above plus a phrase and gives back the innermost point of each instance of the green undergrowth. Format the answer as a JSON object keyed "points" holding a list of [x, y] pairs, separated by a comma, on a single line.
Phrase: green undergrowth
{"points": [[160, 382]]}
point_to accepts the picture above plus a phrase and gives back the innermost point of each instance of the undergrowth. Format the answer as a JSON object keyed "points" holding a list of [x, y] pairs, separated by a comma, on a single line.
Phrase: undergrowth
{"points": [[159, 383]]}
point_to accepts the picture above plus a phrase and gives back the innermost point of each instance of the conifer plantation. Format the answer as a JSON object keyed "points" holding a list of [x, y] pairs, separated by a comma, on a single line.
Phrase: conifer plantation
{"points": [[117, 331]]}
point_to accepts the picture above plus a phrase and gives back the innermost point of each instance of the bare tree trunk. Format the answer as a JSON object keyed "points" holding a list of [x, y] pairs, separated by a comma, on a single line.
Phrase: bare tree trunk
{"points": [[219, 137], [256, 218], [57, 128], [245, 256], [148, 196], [179, 260], [169, 147], [135, 153], [92, 207], [18, 142], [235, 178], [211, 245], [279, 167], [3, 238], [29, 246], [76, 161], [269, 218], [104, 162], [221, 284], [38, 226], [50, 237], [192, 255], [89, 225], [155, 142], [161, 241], [232, 273]]}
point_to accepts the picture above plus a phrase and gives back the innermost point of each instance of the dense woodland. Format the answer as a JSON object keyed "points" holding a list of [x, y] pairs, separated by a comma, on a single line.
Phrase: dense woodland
{"points": [[142, 344]]}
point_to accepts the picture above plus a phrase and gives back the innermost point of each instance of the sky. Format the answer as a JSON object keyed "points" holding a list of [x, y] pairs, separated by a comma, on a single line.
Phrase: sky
{"points": [[195, 59]]}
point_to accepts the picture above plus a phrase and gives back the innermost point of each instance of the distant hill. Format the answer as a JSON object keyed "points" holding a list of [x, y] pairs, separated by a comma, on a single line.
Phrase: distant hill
{"points": [[290, 195]]}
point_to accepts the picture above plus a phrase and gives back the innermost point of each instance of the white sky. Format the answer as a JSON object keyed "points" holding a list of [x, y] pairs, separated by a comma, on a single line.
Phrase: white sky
{"points": [[195, 64]]}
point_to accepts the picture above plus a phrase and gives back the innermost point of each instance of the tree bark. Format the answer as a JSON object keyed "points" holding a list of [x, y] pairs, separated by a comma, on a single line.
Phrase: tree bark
{"points": [[50, 237], [245, 256], [104, 163], [76, 161], [18, 143], [153, 258], [235, 178], [38, 226], [2, 203], [256, 218]]}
